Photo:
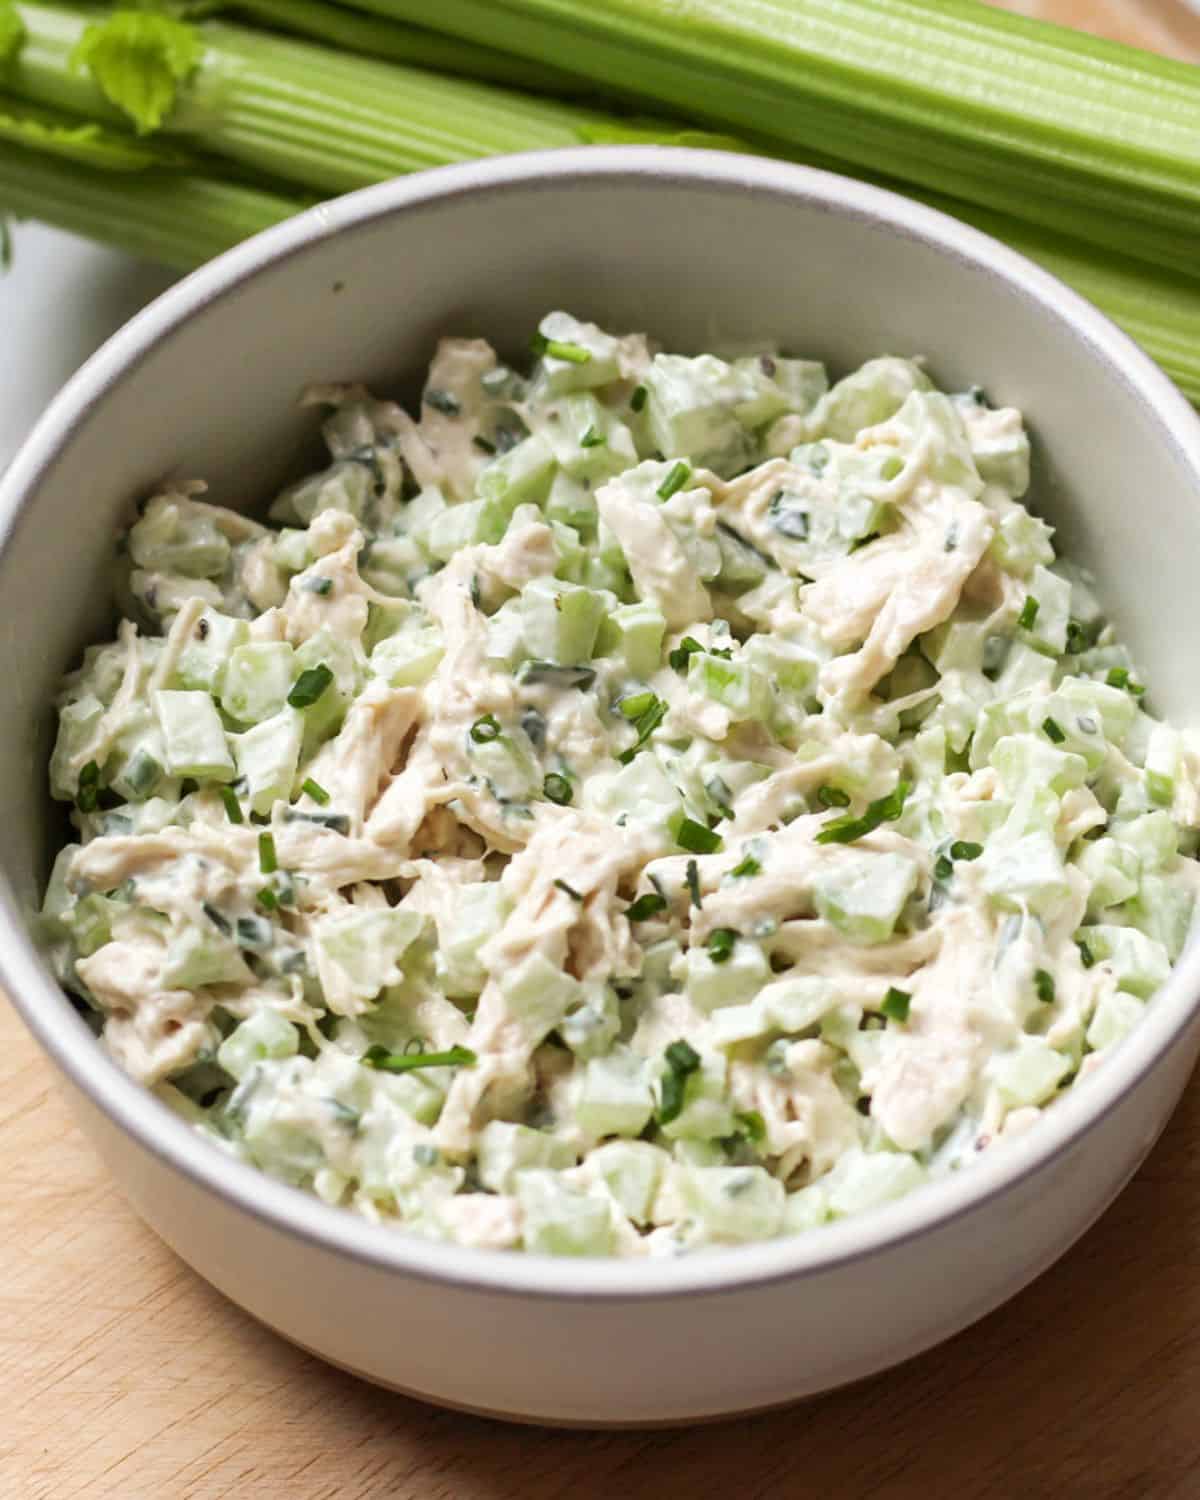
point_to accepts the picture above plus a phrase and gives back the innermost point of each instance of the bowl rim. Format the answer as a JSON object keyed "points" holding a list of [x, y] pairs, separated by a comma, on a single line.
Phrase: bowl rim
{"points": [[131, 1107]]}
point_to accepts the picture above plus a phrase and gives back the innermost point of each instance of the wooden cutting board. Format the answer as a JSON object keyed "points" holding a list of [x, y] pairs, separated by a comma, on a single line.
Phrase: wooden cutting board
{"points": [[124, 1377]]}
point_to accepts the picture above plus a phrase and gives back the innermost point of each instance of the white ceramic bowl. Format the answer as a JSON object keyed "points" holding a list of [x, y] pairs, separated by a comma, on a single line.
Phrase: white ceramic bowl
{"points": [[696, 248]]}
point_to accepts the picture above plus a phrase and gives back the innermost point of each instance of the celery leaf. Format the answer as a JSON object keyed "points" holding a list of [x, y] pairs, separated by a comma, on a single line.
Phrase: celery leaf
{"points": [[138, 59], [83, 141]]}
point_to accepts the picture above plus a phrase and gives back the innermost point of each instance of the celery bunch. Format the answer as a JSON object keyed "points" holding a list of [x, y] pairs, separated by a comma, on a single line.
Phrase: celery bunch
{"points": [[174, 131]]}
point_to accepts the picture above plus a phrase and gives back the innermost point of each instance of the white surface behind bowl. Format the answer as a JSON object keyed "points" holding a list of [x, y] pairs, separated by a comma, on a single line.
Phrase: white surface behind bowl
{"points": [[694, 248]]}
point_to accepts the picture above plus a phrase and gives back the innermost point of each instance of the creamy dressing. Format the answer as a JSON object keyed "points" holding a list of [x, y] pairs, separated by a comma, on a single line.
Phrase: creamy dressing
{"points": [[646, 803]]}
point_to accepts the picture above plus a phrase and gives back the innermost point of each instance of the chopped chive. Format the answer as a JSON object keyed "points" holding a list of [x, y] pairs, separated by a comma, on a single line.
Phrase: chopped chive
{"points": [[896, 1004], [405, 1062], [636, 704], [832, 796], [1053, 731], [317, 585], [696, 838], [309, 686], [1043, 983], [485, 729], [646, 722], [1029, 612], [442, 401], [552, 674], [943, 867], [638, 400], [218, 918], [846, 829], [721, 943], [692, 881], [573, 354], [720, 796], [682, 1061], [233, 808], [1086, 955], [593, 438], [568, 890], [752, 1126], [683, 653], [964, 849], [677, 476], [646, 906], [483, 445], [748, 866], [267, 898], [557, 788], [267, 861], [89, 788], [315, 790]]}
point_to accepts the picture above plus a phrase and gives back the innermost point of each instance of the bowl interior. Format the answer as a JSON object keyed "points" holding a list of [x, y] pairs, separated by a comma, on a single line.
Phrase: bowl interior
{"points": [[700, 251]]}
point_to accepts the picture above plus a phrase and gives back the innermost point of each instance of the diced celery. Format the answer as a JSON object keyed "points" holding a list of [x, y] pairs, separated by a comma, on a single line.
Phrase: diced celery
{"points": [[635, 632], [1113, 870], [504, 1149], [77, 724], [200, 956], [264, 1033], [1048, 630], [1025, 761], [1028, 1073], [193, 735], [1153, 837], [267, 757], [410, 655], [1163, 756], [174, 536], [1000, 447], [557, 374], [872, 394], [866, 1180], [1163, 910], [570, 504], [343, 658], [1023, 668], [523, 473], [707, 1114], [1025, 873], [292, 550], [614, 1096], [464, 525], [631, 1171], [587, 440], [538, 995], [640, 791], [796, 1004], [788, 385], [789, 665], [743, 567], [735, 685], [345, 485], [1115, 709], [363, 949], [210, 644], [508, 770], [741, 975], [734, 1203], [862, 895], [695, 410], [1139, 963], [478, 912], [805, 1209], [589, 1029], [561, 620], [560, 1219], [1115, 1017], [137, 762], [1022, 542], [257, 680]]}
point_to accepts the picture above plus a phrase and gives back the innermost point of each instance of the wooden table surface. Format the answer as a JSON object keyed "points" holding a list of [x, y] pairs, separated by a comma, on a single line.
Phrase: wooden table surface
{"points": [[125, 1377]]}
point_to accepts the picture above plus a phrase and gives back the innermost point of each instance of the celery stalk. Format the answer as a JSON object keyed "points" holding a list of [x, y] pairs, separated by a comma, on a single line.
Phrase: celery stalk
{"points": [[326, 120], [179, 218], [1084, 136], [385, 41]]}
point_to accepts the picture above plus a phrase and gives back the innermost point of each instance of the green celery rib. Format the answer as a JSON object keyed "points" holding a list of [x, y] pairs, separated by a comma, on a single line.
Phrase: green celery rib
{"points": [[1080, 135], [326, 120], [385, 41], [179, 218]]}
